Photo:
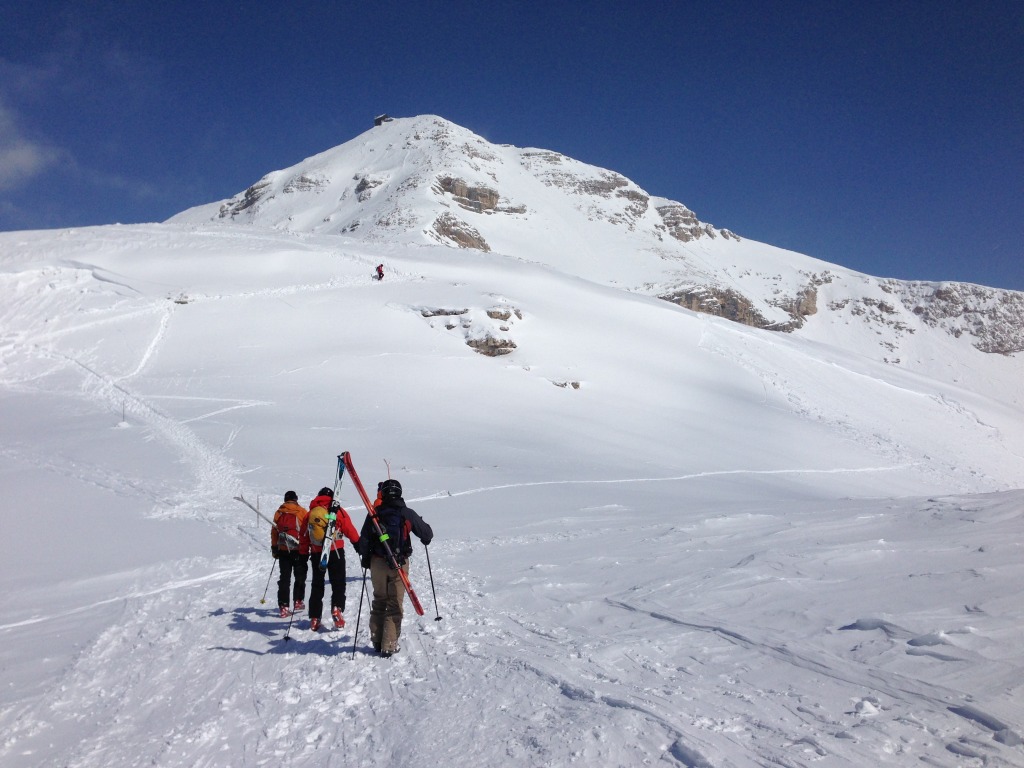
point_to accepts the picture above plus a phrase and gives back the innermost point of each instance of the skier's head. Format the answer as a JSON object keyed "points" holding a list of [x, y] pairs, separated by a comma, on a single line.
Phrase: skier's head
{"points": [[291, 496], [390, 489], [325, 491]]}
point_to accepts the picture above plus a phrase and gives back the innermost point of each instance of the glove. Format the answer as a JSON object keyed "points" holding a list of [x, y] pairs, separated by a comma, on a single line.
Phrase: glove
{"points": [[335, 506], [364, 561], [274, 553], [426, 541]]}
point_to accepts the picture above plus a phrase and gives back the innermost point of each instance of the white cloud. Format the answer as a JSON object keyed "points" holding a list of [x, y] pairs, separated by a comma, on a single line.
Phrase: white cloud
{"points": [[21, 159]]}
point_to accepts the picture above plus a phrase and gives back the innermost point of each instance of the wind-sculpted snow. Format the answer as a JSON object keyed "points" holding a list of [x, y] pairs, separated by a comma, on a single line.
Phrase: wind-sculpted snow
{"points": [[709, 545]]}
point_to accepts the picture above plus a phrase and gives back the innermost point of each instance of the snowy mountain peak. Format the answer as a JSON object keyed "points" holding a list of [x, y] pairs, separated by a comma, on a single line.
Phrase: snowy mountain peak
{"points": [[426, 179]]}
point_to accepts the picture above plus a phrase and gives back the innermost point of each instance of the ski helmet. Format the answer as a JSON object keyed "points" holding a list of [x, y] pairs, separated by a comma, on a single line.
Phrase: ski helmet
{"points": [[391, 489], [291, 496], [325, 491]]}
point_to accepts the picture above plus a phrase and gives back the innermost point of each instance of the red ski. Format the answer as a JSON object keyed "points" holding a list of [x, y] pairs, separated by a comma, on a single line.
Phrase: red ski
{"points": [[346, 457]]}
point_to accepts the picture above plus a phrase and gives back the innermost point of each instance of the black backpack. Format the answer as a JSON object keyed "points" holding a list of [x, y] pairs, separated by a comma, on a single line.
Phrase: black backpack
{"points": [[397, 528]]}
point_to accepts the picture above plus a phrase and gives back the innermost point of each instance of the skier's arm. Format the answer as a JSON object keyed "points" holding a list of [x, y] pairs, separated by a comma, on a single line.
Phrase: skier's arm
{"points": [[365, 537], [419, 526]]}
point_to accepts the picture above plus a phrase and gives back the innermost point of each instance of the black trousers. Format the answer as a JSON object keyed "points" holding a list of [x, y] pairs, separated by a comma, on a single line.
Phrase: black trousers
{"points": [[336, 573], [291, 562]]}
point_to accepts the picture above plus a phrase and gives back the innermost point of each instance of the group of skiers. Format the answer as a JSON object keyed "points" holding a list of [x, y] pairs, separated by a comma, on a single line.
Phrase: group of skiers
{"points": [[298, 537]]}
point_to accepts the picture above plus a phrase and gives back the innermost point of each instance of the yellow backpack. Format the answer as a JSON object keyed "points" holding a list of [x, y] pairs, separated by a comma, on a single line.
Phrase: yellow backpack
{"points": [[317, 525]]}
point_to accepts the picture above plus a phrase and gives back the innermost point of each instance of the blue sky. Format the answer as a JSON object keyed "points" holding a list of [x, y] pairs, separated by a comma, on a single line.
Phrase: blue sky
{"points": [[884, 136]]}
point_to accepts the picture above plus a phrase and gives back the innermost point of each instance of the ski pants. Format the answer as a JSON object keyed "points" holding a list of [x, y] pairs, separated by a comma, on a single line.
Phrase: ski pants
{"points": [[335, 571], [386, 608], [291, 562]]}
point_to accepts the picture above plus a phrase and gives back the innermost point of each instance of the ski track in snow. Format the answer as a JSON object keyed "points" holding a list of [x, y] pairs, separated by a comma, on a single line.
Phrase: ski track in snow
{"points": [[674, 478], [154, 344], [216, 475], [130, 596]]}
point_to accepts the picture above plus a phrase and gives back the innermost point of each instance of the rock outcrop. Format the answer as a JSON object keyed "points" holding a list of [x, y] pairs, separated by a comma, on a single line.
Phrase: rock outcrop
{"points": [[682, 224], [994, 318], [451, 229]]}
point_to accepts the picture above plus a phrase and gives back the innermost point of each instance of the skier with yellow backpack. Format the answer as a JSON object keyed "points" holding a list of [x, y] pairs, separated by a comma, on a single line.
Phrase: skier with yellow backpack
{"points": [[323, 512]]}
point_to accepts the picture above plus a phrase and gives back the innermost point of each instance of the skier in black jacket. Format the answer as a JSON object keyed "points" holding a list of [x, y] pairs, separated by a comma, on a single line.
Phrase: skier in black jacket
{"points": [[398, 521]]}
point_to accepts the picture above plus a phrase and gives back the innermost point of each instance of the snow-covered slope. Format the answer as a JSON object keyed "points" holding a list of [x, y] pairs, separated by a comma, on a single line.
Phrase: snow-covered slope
{"points": [[424, 180], [661, 536]]}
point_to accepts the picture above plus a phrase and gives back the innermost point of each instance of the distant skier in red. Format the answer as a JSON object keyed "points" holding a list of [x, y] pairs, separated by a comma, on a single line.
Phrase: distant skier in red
{"points": [[380, 271]]}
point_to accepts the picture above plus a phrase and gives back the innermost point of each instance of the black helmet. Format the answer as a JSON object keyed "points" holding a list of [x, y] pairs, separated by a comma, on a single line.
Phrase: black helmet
{"points": [[291, 496], [325, 491], [391, 489]]}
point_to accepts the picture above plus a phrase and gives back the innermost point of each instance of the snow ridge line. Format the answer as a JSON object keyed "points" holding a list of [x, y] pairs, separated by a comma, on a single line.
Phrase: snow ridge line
{"points": [[676, 478]]}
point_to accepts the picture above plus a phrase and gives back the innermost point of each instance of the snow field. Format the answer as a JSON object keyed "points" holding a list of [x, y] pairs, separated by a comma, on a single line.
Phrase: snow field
{"points": [[725, 548]]}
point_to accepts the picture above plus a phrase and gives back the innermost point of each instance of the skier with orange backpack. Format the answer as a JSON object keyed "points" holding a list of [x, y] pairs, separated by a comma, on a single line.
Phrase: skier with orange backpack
{"points": [[321, 510], [289, 544]]}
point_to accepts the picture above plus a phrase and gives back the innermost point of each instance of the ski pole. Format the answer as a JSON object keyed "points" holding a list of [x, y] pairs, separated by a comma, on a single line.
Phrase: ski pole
{"points": [[264, 600], [359, 613], [287, 632], [427, 550], [254, 509]]}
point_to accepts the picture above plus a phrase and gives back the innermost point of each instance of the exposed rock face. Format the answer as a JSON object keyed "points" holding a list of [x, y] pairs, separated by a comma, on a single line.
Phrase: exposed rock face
{"points": [[682, 224], [365, 185], [263, 192], [534, 158], [476, 199], [606, 186], [441, 312], [248, 199], [806, 302], [504, 314], [481, 335], [449, 228], [798, 307], [305, 183], [993, 317], [721, 302], [491, 346], [733, 305]]}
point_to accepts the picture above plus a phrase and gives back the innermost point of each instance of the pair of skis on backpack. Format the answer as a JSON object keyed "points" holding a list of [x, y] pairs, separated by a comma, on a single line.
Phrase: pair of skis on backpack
{"points": [[345, 463]]}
